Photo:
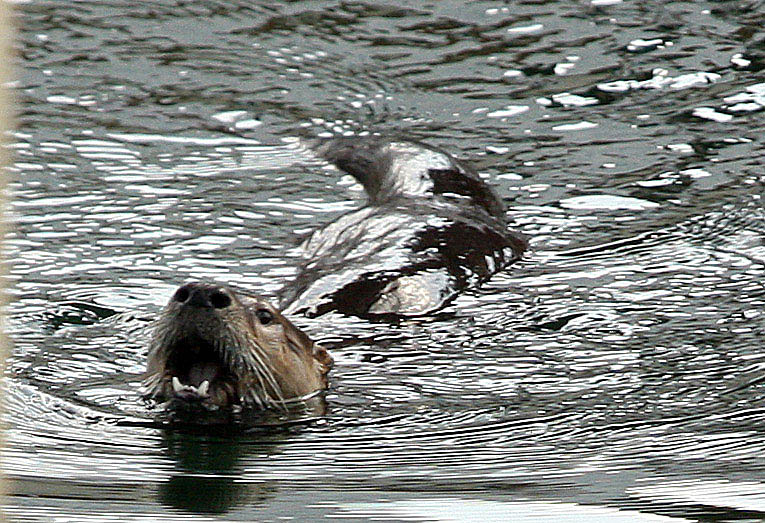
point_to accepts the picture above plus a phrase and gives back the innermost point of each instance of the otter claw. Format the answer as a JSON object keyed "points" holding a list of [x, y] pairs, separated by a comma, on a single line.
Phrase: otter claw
{"points": [[177, 385]]}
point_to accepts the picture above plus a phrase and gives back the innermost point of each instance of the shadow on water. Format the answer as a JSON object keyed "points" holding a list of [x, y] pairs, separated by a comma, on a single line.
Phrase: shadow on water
{"points": [[206, 471]]}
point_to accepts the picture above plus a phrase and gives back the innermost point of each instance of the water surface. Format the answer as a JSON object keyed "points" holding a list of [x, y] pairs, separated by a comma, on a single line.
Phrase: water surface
{"points": [[615, 374]]}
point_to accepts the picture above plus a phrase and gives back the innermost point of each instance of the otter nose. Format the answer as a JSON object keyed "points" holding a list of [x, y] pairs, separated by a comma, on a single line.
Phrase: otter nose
{"points": [[202, 296]]}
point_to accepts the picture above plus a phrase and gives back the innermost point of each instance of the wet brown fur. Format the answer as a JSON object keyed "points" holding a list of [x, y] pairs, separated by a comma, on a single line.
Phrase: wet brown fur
{"points": [[261, 365]]}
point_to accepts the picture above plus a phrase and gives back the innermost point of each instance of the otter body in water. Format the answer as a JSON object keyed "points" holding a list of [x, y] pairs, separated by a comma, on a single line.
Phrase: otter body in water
{"points": [[430, 228], [214, 346]]}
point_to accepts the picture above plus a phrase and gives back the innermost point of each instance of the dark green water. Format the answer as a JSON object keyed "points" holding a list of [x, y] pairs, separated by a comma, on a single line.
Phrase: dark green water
{"points": [[616, 374]]}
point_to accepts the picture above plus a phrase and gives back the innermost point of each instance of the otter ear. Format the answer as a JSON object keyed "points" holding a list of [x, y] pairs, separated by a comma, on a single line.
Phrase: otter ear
{"points": [[322, 356]]}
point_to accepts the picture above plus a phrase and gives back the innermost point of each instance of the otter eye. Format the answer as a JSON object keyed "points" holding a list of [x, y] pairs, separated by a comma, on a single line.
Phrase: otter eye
{"points": [[265, 316]]}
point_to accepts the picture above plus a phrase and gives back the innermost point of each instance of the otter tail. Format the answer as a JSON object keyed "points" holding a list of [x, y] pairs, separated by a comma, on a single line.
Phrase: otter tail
{"points": [[390, 168]]}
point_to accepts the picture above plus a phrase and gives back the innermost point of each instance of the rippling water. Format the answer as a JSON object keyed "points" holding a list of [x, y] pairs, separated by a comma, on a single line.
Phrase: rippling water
{"points": [[615, 374]]}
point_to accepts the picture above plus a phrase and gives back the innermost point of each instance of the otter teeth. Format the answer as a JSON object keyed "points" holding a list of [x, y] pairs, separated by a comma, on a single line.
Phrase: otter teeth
{"points": [[201, 391], [203, 387]]}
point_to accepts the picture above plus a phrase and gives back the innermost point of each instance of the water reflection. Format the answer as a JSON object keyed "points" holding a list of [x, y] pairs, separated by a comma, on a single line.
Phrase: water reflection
{"points": [[463, 510], [206, 471], [615, 373]]}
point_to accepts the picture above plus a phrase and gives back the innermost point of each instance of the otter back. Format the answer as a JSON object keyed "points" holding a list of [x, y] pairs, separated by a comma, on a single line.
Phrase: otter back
{"points": [[430, 228]]}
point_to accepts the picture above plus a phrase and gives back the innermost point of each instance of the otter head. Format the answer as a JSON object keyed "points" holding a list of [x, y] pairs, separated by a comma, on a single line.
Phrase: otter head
{"points": [[222, 348]]}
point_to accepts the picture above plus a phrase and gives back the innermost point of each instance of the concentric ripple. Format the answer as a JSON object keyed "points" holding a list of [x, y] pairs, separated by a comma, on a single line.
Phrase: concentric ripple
{"points": [[615, 374]]}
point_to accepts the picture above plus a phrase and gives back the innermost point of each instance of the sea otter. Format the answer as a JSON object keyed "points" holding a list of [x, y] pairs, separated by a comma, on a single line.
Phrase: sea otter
{"points": [[430, 228], [217, 347]]}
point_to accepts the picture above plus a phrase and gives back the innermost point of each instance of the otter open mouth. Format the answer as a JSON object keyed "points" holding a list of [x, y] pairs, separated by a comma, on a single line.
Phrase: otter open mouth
{"points": [[218, 349], [197, 372]]}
